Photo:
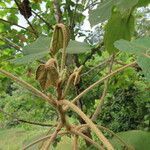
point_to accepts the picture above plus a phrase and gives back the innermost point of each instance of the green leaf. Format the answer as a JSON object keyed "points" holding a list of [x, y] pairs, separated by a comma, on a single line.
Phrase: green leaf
{"points": [[102, 13], [42, 44], [76, 47], [136, 138], [34, 51], [118, 27], [40, 48]]}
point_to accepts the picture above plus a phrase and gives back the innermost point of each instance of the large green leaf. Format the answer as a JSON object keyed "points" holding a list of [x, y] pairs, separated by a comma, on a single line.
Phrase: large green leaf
{"points": [[136, 138], [140, 47], [104, 9], [42, 44], [76, 47], [40, 48], [118, 27]]}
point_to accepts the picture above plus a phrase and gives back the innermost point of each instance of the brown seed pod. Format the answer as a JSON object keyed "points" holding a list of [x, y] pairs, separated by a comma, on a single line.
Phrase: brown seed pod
{"points": [[47, 74]]}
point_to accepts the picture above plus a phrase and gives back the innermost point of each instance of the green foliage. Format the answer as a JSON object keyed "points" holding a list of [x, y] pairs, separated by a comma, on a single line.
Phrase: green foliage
{"points": [[128, 107], [118, 27], [25, 106]]}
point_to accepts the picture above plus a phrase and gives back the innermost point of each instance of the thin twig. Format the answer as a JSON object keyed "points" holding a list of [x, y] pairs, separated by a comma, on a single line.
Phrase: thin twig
{"points": [[101, 80], [34, 30], [96, 67], [49, 131], [101, 101], [91, 5], [68, 84], [12, 44]]}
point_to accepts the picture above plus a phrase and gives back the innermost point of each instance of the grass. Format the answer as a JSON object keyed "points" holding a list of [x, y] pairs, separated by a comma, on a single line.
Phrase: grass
{"points": [[15, 138]]}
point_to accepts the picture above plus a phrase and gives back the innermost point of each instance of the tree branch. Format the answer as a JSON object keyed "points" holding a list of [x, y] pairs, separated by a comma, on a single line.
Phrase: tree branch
{"points": [[12, 44], [34, 30], [58, 13], [86, 138], [107, 130], [75, 142], [29, 87], [52, 138], [89, 122]]}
